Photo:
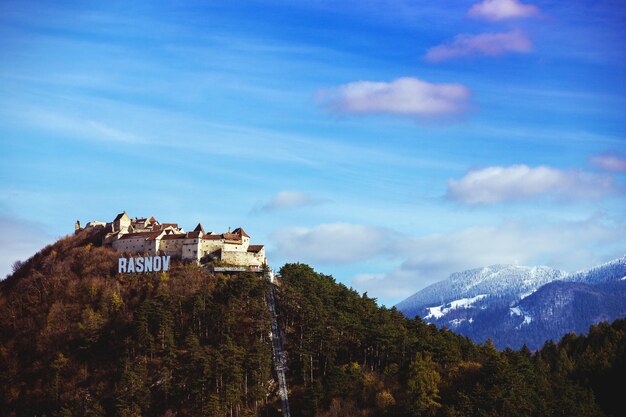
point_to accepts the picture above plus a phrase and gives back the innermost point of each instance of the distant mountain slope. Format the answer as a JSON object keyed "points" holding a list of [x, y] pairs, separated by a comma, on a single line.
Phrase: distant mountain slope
{"points": [[516, 305], [506, 282], [608, 272]]}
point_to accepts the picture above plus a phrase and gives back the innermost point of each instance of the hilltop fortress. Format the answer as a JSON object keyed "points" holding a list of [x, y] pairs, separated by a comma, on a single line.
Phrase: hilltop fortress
{"points": [[150, 237]]}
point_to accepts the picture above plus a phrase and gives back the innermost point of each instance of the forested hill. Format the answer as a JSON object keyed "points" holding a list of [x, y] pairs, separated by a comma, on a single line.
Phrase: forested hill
{"points": [[77, 339]]}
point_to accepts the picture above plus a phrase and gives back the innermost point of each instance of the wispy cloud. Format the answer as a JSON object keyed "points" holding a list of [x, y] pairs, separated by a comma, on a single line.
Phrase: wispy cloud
{"points": [[502, 10], [610, 162], [286, 199], [520, 182], [332, 243], [489, 44], [78, 127], [566, 245], [408, 97]]}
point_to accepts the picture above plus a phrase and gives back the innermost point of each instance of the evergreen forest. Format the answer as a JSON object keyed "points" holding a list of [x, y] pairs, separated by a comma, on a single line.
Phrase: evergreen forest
{"points": [[79, 339]]}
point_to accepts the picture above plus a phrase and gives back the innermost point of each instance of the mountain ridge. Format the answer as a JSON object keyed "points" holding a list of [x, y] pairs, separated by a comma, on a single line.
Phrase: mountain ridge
{"points": [[538, 296]]}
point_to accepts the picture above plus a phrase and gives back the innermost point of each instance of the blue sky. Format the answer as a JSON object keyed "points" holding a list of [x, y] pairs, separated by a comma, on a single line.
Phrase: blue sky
{"points": [[388, 143]]}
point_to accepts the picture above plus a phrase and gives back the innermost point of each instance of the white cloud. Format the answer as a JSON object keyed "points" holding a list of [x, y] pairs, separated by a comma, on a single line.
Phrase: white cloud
{"points": [[490, 44], [332, 243], [502, 9], [568, 245], [286, 199], [610, 162], [409, 97], [395, 285], [521, 182]]}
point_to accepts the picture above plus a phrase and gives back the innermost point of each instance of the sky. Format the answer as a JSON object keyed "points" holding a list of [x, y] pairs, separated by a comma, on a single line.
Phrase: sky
{"points": [[386, 143]]}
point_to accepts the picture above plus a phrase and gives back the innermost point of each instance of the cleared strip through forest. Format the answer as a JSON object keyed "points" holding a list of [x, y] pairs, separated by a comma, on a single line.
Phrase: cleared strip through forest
{"points": [[280, 357]]}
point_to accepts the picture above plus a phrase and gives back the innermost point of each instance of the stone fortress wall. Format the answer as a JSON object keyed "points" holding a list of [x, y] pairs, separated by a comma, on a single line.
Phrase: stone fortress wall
{"points": [[150, 237]]}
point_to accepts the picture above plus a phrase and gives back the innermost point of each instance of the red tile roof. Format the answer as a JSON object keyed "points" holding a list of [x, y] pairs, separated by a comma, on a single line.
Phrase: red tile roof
{"points": [[154, 235], [239, 231], [173, 236], [194, 234], [255, 248], [231, 236], [213, 237]]}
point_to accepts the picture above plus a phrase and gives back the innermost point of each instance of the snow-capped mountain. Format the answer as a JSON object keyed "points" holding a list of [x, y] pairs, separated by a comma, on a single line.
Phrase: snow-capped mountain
{"points": [[515, 305], [607, 272], [507, 283]]}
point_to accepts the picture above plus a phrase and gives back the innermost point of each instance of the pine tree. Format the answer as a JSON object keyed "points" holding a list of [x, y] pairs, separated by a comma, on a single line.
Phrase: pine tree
{"points": [[423, 385]]}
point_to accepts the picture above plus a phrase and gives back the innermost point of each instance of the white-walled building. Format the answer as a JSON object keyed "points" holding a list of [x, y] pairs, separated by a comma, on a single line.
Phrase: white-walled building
{"points": [[143, 235]]}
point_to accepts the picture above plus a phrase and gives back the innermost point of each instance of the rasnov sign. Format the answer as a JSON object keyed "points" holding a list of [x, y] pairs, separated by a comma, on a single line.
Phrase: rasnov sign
{"points": [[143, 264]]}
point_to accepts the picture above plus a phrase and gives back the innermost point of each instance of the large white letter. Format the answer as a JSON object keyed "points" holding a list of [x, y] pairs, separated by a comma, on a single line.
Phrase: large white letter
{"points": [[139, 264], [131, 265], [148, 263], [157, 265], [121, 265], [166, 263]]}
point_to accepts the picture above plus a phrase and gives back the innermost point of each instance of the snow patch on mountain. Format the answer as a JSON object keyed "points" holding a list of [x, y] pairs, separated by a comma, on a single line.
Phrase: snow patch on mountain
{"points": [[526, 294], [434, 312], [527, 321], [439, 311], [457, 322], [517, 311]]}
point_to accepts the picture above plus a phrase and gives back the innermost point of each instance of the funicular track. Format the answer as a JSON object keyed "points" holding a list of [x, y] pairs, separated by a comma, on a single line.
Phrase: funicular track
{"points": [[280, 357]]}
